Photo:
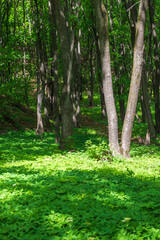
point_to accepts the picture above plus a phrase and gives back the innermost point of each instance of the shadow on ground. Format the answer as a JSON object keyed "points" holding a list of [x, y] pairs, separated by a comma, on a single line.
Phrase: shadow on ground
{"points": [[103, 204], [40, 204]]}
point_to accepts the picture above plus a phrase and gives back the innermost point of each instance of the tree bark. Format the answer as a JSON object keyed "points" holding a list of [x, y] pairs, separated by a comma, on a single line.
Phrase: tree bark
{"points": [[99, 75], [91, 74], [102, 30], [157, 63], [39, 129], [77, 81], [148, 114], [67, 61], [24, 57], [40, 74], [54, 72], [143, 119], [135, 79], [121, 102], [90, 80], [1, 33]]}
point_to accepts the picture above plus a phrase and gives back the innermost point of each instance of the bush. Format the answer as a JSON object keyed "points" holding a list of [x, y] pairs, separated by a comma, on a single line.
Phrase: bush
{"points": [[99, 151]]}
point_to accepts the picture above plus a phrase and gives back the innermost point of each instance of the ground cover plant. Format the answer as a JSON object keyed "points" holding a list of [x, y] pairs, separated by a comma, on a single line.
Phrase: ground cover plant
{"points": [[79, 120], [49, 194]]}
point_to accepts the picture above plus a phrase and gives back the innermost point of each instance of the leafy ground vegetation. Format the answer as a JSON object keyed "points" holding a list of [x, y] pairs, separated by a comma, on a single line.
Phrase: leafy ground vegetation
{"points": [[81, 193]]}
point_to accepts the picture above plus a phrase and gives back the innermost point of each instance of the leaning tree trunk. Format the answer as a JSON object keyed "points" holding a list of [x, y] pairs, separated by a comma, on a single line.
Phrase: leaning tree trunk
{"points": [[135, 79], [102, 30]]}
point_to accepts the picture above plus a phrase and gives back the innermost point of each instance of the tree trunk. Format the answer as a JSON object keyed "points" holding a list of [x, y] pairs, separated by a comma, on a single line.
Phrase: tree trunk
{"points": [[148, 114], [67, 61], [39, 129], [102, 30], [89, 80], [54, 72], [121, 102], [76, 84], [40, 74], [157, 63], [1, 33], [135, 79], [24, 58], [99, 75], [91, 74]]}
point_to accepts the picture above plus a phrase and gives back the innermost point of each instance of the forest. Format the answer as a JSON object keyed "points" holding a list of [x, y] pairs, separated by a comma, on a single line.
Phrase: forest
{"points": [[79, 119]]}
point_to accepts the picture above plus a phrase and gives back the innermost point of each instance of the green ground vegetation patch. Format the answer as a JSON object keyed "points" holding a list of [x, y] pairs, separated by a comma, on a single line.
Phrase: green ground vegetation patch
{"points": [[49, 194]]}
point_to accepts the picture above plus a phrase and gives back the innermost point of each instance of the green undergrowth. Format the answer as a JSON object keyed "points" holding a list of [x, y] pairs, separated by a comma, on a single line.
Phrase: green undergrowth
{"points": [[94, 113], [47, 194], [87, 110]]}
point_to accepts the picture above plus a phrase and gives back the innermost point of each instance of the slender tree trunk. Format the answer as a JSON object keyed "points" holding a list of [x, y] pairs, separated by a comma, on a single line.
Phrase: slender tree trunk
{"points": [[121, 102], [149, 118], [119, 70], [76, 84], [54, 72], [91, 74], [40, 75], [157, 63], [99, 75], [1, 33], [78, 81], [89, 81], [8, 72], [24, 57], [135, 80], [142, 106], [45, 84], [39, 129], [102, 30]]}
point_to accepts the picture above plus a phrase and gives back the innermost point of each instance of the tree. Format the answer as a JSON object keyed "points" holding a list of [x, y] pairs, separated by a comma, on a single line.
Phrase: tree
{"points": [[40, 73], [150, 123], [157, 64], [102, 30], [135, 79], [67, 47], [53, 87]]}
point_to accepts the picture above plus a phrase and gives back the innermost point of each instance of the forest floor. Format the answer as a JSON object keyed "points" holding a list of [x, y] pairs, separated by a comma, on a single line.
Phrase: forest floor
{"points": [[15, 116], [47, 193]]}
